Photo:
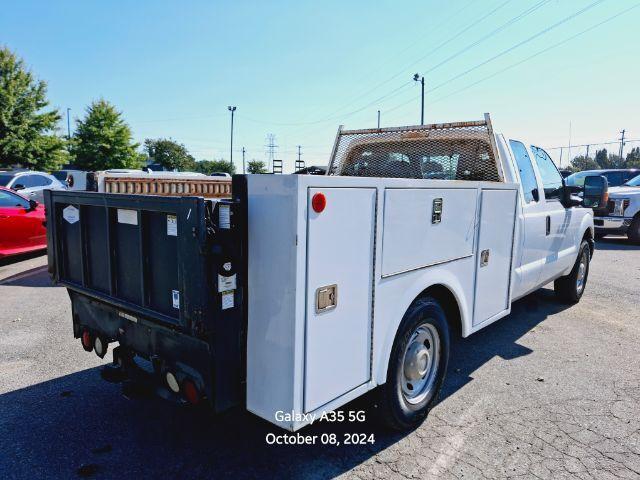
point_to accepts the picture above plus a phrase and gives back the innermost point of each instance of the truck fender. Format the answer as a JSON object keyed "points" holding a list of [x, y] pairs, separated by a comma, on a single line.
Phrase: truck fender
{"points": [[586, 229], [420, 286]]}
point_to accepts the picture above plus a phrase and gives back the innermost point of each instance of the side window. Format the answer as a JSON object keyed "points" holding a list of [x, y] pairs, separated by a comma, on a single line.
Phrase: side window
{"points": [[27, 181], [551, 178], [8, 199], [41, 181], [527, 175], [614, 178]]}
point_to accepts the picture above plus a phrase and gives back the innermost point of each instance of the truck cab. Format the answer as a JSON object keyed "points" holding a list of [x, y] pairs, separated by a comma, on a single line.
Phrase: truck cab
{"points": [[550, 226]]}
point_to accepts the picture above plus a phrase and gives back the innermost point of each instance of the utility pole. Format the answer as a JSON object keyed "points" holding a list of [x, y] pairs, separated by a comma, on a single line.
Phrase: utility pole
{"points": [[622, 142], [232, 110], [271, 150], [244, 170], [418, 78], [560, 161], [299, 163], [378, 119], [68, 125], [588, 150]]}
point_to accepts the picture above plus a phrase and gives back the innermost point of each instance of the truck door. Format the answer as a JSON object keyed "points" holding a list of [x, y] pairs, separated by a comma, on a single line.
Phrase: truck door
{"points": [[560, 231], [340, 243], [533, 251]]}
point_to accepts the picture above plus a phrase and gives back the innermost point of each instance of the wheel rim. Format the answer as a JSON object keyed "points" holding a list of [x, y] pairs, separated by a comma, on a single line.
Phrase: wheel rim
{"points": [[420, 363], [582, 273]]}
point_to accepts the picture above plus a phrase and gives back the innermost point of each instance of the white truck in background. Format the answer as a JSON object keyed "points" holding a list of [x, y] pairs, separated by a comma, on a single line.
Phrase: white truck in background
{"points": [[304, 292]]}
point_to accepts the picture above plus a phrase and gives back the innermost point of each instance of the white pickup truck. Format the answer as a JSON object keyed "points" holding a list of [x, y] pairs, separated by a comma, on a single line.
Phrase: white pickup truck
{"points": [[304, 292], [622, 213]]}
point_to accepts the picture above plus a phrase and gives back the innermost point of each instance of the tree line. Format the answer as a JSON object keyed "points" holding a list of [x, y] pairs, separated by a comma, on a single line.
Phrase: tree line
{"points": [[30, 136], [605, 160]]}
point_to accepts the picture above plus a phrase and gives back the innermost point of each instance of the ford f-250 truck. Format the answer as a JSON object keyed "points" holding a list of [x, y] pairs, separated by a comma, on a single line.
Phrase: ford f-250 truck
{"points": [[621, 216], [303, 292]]}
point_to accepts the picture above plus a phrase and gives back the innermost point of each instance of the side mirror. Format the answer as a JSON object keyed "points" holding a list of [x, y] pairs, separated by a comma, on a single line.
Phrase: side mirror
{"points": [[596, 192], [17, 187], [32, 205], [535, 194]]}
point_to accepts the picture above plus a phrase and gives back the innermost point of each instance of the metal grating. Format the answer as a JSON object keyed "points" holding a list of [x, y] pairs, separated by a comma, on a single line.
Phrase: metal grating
{"points": [[444, 151]]}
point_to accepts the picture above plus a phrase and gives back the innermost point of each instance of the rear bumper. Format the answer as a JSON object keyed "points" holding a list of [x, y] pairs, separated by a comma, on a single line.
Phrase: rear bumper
{"points": [[612, 224], [185, 356]]}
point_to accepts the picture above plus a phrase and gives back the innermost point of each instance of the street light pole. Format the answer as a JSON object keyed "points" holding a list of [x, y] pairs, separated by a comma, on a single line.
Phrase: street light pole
{"points": [[68, 125], [418, 78], [232, 110]]}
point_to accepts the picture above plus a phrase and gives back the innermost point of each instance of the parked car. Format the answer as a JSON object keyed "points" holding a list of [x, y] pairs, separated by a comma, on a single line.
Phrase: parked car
{"points": [[22, 227], [266, 299], [30, 184], [622, 214], [615, 177], [73, 179]]}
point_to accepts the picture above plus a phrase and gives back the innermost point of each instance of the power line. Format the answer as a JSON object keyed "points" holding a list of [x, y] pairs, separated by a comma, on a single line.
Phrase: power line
{"points": [[515, 19], [519, 44], [530, 57], [395, 91]]}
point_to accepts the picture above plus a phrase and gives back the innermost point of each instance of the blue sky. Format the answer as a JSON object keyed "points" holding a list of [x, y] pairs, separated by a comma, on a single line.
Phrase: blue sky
{"points": [[299, 69]]}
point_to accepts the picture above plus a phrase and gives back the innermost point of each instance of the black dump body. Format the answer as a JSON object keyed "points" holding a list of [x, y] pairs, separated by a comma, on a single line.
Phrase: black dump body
{"points": [[151, 273]]}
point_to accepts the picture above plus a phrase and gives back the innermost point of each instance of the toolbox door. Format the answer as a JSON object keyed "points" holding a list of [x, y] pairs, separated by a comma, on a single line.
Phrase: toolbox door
{"points": [[495, 254], [340, 246]]}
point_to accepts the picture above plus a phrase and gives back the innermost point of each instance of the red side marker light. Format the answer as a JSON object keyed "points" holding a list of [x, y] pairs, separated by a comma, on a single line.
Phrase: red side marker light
{"points": [[318, 202]]}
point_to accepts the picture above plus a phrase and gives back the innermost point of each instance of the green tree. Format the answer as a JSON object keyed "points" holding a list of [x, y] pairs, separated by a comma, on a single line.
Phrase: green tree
{"points": [[103, 140], [209, 166], [582, 162], [633, 158], [608, 160], [27, 129], [170, 154], [256, 166], [602, 158]]}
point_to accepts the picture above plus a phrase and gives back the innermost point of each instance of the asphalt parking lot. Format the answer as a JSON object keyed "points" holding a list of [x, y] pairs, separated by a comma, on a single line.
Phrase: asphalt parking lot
{"points": [[551, 391]]}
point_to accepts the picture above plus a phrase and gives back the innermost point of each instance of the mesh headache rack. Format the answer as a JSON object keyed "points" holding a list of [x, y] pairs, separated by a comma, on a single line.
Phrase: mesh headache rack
{"points": [[441, 151]]}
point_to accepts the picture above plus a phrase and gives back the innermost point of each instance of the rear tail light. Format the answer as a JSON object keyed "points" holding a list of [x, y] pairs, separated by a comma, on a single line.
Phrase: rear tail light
{"points": [[190, 392], [87, 340]]}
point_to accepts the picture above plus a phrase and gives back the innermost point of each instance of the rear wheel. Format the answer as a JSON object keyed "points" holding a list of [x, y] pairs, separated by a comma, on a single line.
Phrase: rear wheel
{"points": [[417, 366], [634, 229], [571, 287]]}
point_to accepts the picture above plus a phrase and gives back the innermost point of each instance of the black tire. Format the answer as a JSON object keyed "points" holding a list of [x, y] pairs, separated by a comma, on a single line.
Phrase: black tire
{"points": [[634, 230], [567, 288], [394, 409]]}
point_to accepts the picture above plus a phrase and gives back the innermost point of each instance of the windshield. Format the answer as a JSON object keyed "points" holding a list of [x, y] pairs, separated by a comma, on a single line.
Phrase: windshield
{"points": [[5, 179], [634, 182], [577, 179]]}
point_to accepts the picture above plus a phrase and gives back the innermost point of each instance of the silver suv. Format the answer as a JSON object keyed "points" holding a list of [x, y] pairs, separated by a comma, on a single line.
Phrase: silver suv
{"points": [[30, 184]]}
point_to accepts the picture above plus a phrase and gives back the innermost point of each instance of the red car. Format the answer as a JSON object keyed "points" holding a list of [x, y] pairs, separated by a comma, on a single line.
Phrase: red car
{"points": [[22, 227]]}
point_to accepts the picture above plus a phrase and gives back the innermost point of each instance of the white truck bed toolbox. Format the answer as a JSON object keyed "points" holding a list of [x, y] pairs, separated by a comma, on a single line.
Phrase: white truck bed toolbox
{"points": [[326, 290]]}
